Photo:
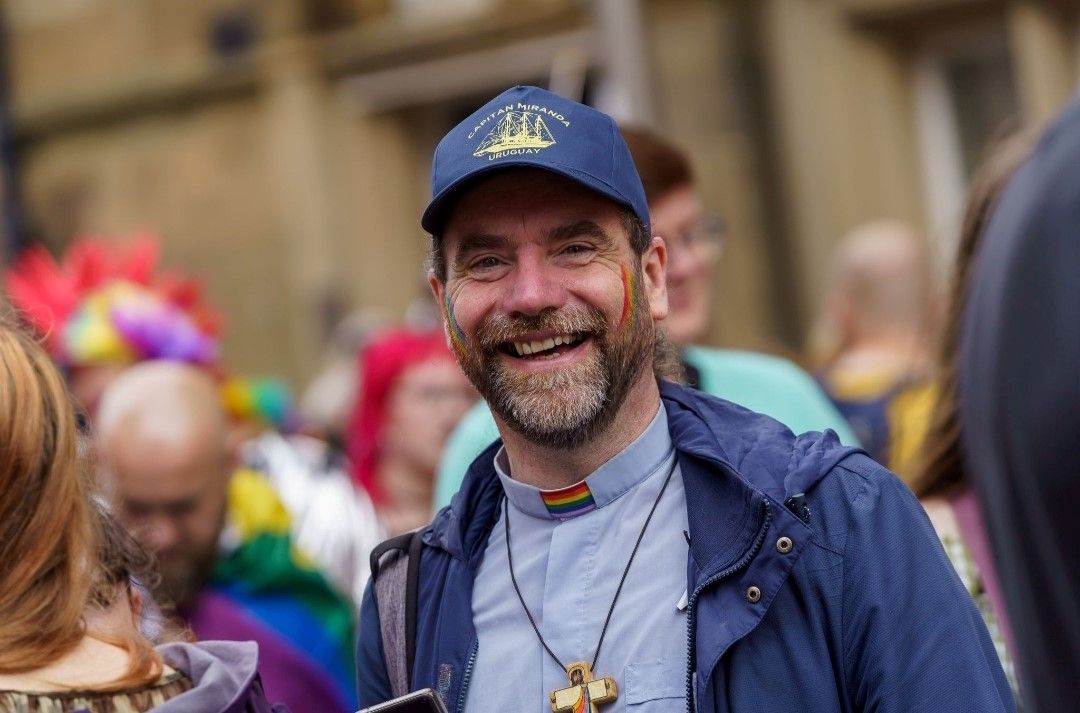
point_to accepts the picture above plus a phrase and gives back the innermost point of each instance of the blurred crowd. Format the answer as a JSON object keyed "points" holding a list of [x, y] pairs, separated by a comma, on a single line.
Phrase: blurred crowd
{"points": [[152, 501]]}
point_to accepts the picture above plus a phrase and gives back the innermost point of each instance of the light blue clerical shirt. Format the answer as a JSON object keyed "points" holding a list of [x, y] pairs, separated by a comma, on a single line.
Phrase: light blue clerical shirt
{"points": [[568, 567]]}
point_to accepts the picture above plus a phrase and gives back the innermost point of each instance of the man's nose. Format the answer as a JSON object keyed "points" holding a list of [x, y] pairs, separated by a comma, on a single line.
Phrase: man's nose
{"points": [[534, 288]]}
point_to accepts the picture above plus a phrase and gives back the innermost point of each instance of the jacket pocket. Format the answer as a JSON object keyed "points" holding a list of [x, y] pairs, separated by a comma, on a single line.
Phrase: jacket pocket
{"points": [[654, 681]]}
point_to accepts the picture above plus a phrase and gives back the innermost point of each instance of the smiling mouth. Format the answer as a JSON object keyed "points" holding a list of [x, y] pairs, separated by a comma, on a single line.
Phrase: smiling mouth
{"points": [[539, 349]]}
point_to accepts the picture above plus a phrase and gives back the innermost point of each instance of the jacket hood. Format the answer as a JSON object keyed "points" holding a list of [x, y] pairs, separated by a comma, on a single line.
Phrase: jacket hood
{"points": [[223, 672], [759, 451], [762, 456], [461, 528]]}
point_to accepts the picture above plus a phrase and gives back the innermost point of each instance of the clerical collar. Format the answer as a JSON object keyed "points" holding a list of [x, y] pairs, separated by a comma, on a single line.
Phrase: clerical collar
{"points": [[649, 452]]}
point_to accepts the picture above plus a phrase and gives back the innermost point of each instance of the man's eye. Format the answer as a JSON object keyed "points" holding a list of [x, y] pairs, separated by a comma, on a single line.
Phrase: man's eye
{"points": [[485, 263], [577, 249], [181, 509]]}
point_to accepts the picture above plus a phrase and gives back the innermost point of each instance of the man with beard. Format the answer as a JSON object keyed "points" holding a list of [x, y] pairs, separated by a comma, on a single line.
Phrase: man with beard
{"points": [[220, 535], [694, 241], [669, 548]]}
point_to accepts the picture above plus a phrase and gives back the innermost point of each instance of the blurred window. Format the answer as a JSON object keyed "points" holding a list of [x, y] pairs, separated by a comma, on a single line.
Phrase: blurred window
{"points": [[965, 93], [443, 11], [981, 86]]}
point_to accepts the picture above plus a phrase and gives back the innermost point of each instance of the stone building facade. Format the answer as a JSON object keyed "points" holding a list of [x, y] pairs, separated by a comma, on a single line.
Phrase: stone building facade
{"points": [[281, 147]]}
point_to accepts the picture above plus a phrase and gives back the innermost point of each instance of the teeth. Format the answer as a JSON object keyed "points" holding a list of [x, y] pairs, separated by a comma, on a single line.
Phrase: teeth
{"points": [[527, 348]]}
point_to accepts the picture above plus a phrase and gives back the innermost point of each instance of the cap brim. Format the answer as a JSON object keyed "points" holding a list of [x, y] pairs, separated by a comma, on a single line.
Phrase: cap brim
{"points": [[435, 214]]}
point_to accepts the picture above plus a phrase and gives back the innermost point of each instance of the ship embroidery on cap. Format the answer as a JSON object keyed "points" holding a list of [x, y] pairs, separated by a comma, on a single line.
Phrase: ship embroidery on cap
{"points": [[518, 132], [568, 502]]}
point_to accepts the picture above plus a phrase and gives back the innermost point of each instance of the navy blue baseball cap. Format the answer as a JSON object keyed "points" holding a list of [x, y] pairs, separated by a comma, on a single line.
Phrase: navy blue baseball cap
{"points": [[532, 127]]}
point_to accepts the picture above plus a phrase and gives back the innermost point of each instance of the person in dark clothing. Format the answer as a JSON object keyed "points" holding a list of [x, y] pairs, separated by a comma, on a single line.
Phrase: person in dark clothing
{"points": [[1020, 408]]}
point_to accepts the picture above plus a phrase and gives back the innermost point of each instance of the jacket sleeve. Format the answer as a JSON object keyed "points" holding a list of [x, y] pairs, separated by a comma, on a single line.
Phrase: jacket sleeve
{"points": [[373, 683], [913, 639]]}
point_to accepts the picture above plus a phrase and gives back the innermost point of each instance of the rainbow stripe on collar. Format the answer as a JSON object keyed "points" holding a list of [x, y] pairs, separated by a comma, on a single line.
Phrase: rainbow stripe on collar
{"points": [[568, 502]]}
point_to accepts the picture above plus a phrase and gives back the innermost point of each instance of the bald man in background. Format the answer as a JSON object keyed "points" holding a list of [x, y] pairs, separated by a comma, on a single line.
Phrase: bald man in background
{"points": [[220, 534], [877, 324]]}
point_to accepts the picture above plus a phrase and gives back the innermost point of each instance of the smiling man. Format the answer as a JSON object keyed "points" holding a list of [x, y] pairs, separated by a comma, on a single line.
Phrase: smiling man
{"points": [[630, 544], [559, 305], [760, 382]]}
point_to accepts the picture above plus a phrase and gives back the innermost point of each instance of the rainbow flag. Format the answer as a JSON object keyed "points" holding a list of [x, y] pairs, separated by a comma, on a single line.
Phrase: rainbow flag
{"points": [[267, 591], [569, 502]]}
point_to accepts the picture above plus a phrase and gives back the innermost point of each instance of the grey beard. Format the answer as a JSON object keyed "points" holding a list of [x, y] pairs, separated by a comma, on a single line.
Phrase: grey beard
{"points": [[565, 408], [562, 409]]}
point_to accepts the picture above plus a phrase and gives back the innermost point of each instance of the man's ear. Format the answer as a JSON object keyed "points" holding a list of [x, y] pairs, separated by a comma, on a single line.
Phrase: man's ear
{"points": [[436, 286], [654, 269], [839, 325]]}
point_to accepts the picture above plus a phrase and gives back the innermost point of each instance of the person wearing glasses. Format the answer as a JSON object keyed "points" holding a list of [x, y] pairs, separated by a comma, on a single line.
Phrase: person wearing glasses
{"points": [[412, 395], [760, 382]]}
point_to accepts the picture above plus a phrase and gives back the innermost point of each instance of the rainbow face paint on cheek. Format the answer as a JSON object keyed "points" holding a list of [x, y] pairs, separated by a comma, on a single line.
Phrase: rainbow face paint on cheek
{"points": [[628, 304], [457, 335]]}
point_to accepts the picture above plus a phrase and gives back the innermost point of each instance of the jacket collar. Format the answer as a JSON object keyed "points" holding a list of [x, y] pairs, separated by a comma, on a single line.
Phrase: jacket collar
{"points": [[630, 467], [223, 674], [760, 462]]}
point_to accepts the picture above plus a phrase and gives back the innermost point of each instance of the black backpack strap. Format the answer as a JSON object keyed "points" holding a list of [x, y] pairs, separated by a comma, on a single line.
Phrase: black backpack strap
{"points": [[395, 567], [412, 585], [399, 543]]}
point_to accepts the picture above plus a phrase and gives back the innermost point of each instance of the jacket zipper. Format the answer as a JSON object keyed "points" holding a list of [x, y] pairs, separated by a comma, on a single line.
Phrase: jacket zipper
{"points": [[467, 676], [743, 562]]}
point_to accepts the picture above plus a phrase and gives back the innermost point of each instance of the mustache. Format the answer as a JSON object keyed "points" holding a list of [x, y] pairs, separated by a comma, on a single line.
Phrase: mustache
{"points": [[499, 329]]}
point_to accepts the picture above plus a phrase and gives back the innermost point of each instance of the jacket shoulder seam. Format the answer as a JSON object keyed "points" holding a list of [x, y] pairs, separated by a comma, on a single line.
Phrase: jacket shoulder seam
{"points": [[820, 546], [862, 489], [854, 471]]}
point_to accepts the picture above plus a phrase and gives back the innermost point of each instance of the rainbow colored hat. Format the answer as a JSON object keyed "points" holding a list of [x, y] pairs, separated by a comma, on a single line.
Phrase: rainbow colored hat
{"points": [[105, 303]]}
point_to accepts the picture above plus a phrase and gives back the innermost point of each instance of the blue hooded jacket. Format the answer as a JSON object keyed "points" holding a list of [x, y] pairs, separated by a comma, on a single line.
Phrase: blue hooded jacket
{"points": [[864, 612]]}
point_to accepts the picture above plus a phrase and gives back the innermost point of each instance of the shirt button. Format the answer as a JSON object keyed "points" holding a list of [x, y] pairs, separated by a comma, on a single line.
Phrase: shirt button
{"points": [[753, 594], [784, 545]]}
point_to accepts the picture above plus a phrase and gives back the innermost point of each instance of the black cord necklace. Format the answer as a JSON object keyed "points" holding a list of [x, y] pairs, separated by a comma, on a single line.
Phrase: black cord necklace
{"points": [[611, 610]]}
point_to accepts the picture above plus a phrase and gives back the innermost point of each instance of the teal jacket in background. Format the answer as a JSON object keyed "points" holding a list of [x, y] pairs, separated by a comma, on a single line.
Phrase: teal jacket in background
{"points": [[760, 382]]}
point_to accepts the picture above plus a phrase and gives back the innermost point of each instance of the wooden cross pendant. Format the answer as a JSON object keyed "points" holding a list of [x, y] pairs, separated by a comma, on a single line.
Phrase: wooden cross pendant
{"points": [[584, 694]]}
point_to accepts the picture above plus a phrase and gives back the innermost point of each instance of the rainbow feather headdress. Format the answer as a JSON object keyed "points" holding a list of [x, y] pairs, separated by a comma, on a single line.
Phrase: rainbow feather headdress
{"points": [[105, 303]]}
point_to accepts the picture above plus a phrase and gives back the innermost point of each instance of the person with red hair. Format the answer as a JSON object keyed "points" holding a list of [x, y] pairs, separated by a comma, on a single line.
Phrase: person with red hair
{"points": [[413, 393]]}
